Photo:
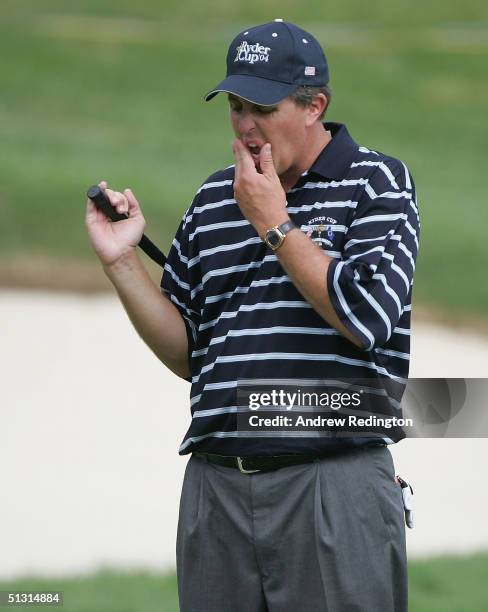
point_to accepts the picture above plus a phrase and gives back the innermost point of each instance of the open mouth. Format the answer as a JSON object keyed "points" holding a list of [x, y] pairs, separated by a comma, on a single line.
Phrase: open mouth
{"points": [[255, 150]]}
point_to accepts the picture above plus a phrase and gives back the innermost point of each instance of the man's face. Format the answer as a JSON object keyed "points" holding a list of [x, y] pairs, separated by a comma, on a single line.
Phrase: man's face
{"points": [[282, 125]]}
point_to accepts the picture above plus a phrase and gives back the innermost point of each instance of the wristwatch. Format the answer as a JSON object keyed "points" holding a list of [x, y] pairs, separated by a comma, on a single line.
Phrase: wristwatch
{"points": [[275, 237]]}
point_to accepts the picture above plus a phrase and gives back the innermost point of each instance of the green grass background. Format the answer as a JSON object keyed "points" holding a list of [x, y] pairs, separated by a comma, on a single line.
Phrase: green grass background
{"points": [[449, 584], [113, 89]]}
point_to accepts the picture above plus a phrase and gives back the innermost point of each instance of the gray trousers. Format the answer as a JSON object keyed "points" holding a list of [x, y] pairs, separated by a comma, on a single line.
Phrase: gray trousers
{"points": [[327, 536]]}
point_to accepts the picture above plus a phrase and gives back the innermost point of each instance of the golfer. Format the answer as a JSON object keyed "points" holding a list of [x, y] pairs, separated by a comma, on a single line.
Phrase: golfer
{"points": [[294, 263]]}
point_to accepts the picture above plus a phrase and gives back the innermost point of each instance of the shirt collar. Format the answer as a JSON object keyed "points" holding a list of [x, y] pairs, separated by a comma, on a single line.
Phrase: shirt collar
{"points": [[336, 157]]}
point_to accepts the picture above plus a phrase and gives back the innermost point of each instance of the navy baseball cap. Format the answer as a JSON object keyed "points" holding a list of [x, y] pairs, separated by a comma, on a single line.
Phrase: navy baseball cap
{"points": [[266, 63]]}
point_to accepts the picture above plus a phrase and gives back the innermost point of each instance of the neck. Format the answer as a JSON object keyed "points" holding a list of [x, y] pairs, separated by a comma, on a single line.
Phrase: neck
{"points": [[318, 139]]}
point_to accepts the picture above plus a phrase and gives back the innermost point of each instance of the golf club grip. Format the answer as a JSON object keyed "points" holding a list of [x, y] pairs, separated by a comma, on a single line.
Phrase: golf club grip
{"points": [[97, 195]]}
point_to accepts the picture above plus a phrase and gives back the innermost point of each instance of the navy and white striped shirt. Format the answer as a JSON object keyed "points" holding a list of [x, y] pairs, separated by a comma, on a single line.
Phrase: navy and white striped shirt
{"points": [[246, 320]]}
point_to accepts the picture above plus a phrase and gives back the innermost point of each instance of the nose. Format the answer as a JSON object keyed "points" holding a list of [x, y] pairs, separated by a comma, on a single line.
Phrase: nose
{"points": [[245, 123]]}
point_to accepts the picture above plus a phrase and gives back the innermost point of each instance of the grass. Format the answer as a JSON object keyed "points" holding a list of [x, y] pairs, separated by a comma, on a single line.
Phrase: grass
{"points": [[113, 89], [106, 591], [449, 584], [443, 584]]}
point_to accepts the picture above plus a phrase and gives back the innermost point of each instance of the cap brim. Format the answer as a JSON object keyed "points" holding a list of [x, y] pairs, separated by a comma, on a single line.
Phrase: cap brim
{"points": [[253, 89]]}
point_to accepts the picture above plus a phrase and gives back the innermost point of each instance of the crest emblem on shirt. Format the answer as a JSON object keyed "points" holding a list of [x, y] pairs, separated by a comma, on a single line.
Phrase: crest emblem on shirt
{"points": [[321, 230]]}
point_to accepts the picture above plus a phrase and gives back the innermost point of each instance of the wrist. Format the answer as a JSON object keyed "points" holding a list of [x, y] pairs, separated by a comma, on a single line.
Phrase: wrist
{"points": [[276, 235], [127, 261], [273, 222]]}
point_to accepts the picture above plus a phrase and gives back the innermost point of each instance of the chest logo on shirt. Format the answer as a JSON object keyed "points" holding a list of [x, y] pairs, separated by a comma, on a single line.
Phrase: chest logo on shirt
{"points": [[321, 230]]}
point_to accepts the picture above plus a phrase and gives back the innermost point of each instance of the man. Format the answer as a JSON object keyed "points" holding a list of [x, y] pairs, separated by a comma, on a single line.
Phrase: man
{"points": [[296, 263]]}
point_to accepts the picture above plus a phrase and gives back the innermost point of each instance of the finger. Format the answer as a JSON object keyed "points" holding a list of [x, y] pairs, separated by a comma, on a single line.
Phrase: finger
{"points": [[93, 215], [110, 195], [122, 205], [118, 201], [103, 184], [241, 152], [113, 196], [266, 161], [133, 204], [243, 159], [237, 159], [90, 211]]}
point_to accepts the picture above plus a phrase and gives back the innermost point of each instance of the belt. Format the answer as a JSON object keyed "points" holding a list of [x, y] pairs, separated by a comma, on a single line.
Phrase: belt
{"points": [[251, 465]]}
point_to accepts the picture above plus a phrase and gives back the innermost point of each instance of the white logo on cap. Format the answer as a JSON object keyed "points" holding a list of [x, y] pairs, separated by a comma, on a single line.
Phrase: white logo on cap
{"points": [[252, 53], [309, 70]]}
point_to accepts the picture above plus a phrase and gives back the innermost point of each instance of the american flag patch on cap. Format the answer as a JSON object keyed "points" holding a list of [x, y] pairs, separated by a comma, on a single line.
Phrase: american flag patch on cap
{"points": [[309, 70]]}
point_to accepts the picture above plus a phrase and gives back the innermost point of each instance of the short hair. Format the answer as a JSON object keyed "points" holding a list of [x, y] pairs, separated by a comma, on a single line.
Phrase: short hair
{"points": [[304, 95]]}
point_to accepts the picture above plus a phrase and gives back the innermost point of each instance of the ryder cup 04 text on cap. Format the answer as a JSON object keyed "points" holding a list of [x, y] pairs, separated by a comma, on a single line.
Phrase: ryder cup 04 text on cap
{"points": [[266, 63]]}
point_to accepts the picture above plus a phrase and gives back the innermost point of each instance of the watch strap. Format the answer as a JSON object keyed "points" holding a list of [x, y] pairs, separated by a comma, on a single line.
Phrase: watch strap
{"points": [[286, 227]]}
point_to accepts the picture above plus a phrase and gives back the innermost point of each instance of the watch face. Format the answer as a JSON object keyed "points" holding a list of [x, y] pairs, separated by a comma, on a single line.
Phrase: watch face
{"points": [[273, 238]]}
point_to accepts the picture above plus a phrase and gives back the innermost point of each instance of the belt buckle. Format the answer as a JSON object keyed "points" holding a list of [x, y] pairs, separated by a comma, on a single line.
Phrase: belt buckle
{"points": [[242, 470]]}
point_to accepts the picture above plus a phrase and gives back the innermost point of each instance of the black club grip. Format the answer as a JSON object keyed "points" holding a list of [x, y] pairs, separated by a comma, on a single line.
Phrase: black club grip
{"points": [[97, 195], [101, 201]]}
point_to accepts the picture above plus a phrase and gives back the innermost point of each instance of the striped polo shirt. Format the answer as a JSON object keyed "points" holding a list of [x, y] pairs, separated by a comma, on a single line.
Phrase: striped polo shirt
{"points": [[245, 319]]}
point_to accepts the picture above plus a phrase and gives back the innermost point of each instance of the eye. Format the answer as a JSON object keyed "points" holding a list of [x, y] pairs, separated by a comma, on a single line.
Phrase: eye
{"points": [[265, 110], [234, 105]]}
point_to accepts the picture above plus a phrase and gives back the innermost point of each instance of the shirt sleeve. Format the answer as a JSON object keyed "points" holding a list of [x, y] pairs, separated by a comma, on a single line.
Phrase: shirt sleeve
{"points": [[177, 282], [370, 284]]}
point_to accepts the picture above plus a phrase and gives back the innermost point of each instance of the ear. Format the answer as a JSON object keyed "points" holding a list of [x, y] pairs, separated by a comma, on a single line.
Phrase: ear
{"points": [[315, 109]]}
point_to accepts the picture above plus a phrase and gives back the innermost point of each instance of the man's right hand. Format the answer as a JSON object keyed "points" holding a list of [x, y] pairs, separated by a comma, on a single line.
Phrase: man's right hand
{"points": [[112, 240]]}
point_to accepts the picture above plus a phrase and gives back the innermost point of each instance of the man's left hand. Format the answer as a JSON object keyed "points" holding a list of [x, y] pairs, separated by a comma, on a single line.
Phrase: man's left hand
{"points": [[260, 197]]}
